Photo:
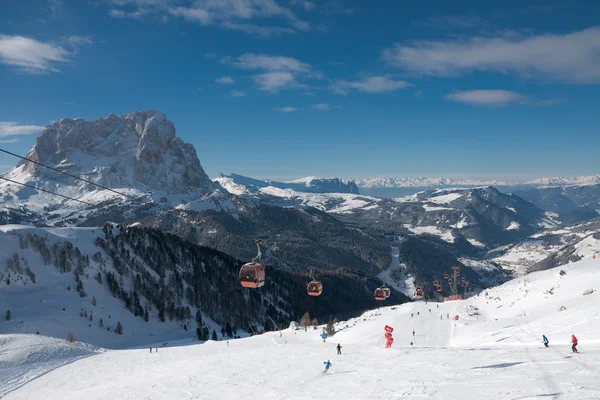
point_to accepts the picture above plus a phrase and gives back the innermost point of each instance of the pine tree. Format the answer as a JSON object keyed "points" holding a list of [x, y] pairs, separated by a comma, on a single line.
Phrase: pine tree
{"points": [[330, 326], [199, 333], [228, 330], [305, 320], [101, 323], [94, 300], [199, 317], [99, 278], [214, 335], [8, 315], [119, 329]]}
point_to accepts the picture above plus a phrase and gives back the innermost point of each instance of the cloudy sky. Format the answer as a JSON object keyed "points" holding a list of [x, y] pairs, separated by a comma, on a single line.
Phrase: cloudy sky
{"points": [[287, 88]]}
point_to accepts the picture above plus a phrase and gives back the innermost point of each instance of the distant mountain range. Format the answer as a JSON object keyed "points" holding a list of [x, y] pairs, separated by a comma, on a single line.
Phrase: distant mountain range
{"points": [[422, 182]]}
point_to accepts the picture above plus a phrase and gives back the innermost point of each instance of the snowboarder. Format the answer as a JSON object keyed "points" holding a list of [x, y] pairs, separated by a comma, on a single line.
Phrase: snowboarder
{"points": [[327, 365], [339, 349], [545, 340], [574, 341]]}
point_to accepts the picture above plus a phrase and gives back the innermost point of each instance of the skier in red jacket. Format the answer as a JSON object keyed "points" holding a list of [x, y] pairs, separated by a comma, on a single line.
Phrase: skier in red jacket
{"points": [[574, 342]]}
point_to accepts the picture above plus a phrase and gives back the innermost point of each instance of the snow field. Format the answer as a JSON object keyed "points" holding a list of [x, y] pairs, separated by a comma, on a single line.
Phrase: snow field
{"points": [[493, 351]]}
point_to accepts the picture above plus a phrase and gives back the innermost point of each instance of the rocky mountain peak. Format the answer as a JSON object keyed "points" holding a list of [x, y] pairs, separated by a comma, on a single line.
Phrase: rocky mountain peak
{"points": [[139, 149]]}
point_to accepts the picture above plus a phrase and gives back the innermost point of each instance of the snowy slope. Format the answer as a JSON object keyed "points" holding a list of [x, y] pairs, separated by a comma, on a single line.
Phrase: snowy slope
{"points": [[493, 351], [48, 307], [27, 357]]}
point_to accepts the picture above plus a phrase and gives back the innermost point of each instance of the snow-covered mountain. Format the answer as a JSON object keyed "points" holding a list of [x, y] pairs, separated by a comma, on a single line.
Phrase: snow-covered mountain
{"points": [[157, 287], [493, 339], [238, 184], [423, 182], [551, 248], [565, 181], [442, 182]]}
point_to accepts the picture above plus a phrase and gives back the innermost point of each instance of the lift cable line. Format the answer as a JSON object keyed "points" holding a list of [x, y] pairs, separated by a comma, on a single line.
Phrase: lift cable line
{"points": [[47, 191], [70, 175]]}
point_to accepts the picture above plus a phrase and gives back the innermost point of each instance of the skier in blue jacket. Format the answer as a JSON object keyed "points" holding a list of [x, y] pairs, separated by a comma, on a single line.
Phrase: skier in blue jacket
{"points": [[327, 365], [545, 340]]}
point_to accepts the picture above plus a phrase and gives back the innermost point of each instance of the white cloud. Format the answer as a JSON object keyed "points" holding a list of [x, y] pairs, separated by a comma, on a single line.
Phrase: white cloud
{"points": [[321, 107], [308, 6], [570, 58], [237, 93], [9, 141], [274, 81], [486, 97], [229, 14], [8, 128], [122, 14], [32, 56], [225, 80], [372, 84], [270, 63], [286, 109], [57, 8], [264, 31]]}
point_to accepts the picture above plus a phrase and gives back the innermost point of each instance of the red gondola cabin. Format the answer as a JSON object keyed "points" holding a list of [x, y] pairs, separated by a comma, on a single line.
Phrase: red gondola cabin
{"points": [[314, 288], [252, 275]]}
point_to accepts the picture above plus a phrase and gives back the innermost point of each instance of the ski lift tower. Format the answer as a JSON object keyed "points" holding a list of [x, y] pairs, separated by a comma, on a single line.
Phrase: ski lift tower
{"points": [[454, 285]]}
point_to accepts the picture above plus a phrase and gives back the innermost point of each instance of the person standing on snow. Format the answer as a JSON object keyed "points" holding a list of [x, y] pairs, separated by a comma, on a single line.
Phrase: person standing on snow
{"points": [[545, 340], [339, 349], [327, 365], [413, 333], [574, 342]]}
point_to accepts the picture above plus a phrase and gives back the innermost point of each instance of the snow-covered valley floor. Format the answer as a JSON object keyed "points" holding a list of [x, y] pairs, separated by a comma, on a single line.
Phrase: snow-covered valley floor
{"points": [[493, 351]]}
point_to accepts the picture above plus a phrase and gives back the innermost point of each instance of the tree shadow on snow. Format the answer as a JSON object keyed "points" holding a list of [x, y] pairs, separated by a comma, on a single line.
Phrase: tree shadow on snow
{"points": [[503, 365]]}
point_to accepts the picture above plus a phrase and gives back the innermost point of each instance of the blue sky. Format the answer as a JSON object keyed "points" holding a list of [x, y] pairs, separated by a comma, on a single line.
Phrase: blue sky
{"points": [[287, 88]]}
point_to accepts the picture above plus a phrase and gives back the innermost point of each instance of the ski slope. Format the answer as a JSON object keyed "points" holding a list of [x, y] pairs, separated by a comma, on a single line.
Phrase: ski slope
{"points": [[493, 351]]}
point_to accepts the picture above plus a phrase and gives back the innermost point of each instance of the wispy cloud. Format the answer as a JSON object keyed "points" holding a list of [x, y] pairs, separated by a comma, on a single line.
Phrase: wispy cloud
{"points": [[57, 8], [225, 80], [286, 109], [278, 72], [240, 15], [372, 84], [274, 81], [269, 63], [9, 128], [9, 141], [569, 58], [237, 93], [321, 107], [490, 98], [32, 56], [122, 14], [455, 22]]}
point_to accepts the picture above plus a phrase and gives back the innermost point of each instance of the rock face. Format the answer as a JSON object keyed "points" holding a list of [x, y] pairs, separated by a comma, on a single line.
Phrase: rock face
{"points": [[138, 150]]}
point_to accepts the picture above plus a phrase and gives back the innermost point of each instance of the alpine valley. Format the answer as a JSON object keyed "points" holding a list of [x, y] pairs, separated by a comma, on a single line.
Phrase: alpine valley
{"points": [[146, 245]]}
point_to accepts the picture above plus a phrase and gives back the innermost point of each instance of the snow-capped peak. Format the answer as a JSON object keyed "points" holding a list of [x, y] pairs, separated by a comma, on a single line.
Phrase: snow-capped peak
{"points": [[136, 150]]}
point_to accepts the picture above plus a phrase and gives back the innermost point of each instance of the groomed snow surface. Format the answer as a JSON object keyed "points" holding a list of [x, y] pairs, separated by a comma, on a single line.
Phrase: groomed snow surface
{"points": [[493, 351]]}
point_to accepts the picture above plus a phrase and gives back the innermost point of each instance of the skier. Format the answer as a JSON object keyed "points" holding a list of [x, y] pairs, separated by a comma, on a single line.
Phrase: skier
{"points": [[430, 311], [440, 317], [438, 306], [418, 313], [157, 349], [574, 341], [413, 333], [411, 343], [327, 365], [545, 340], [447, 316], [412, 315], [150, 349], [339, 349]]}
